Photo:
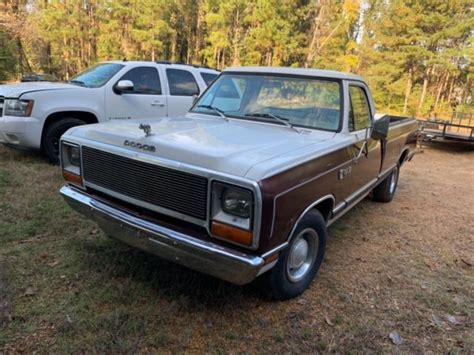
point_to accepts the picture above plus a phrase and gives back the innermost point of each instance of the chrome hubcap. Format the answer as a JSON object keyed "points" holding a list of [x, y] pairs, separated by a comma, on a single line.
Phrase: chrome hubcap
{"points": [[302, 254]]}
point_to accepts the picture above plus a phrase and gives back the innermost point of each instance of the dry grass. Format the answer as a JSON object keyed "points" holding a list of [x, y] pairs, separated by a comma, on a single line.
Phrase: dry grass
{"points": [[404, 266]]}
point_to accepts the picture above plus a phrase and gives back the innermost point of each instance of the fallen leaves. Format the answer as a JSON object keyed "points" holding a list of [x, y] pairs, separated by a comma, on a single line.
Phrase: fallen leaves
{"points": [[328, 321], [455, 320], [30, 291], [466, 263], [53, 263], [395, 338]]}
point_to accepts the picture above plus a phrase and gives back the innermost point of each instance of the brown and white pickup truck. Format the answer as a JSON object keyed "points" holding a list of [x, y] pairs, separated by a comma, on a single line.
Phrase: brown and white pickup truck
{"points": [[245, 185]]}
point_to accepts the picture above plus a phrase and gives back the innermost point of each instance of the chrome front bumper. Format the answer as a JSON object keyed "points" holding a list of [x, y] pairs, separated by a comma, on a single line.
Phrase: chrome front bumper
{"points": [[207, 257]]}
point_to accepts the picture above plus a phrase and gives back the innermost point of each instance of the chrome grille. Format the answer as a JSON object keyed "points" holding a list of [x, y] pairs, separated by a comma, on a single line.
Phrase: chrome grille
{"points": [[163, 187], [2, 102]]}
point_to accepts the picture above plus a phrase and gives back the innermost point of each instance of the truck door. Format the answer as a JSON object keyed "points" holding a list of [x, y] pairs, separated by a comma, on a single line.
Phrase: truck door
{"points": [[366, 151], [182, 89], [145, 100]]}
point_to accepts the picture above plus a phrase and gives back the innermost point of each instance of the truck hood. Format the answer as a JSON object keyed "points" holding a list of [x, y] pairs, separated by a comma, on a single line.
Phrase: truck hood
{"points": [[231, 147], [16, 90]]}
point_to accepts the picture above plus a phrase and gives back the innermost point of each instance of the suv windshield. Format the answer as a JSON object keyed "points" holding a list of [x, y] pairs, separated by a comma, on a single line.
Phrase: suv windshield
{"points": [[97, 75], [299, 101]]}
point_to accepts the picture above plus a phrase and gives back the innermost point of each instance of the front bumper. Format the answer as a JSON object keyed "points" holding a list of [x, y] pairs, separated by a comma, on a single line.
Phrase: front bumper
{"points": [[21, 132], [204, 256]]}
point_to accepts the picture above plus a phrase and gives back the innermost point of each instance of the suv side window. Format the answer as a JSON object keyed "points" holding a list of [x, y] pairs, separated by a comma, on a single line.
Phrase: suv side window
{"points": [[359, 114], [181, 83], [208, 77], [145, 80]]}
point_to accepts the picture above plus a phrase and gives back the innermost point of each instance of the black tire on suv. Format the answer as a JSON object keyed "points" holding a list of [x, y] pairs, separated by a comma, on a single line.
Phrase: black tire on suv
{"points": [[50, 143]]}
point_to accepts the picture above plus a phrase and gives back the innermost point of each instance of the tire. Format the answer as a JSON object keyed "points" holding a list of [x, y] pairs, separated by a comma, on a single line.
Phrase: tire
{"points": [[287, 280], [385, 191], [50, 143]]}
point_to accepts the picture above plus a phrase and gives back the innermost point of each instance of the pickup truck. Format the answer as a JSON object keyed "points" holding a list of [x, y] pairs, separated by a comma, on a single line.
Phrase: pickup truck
{"points": [[245, 185], [34, 115]]}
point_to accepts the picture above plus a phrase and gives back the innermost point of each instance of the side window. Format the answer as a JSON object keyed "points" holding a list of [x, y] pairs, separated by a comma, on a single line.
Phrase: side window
{"points": [[208, 78], [145, 80], [359, 114], [181, 82]]}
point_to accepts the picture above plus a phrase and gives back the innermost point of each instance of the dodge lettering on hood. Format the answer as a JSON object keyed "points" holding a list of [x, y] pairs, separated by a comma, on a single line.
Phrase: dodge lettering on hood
{"points": [[245, 185]]}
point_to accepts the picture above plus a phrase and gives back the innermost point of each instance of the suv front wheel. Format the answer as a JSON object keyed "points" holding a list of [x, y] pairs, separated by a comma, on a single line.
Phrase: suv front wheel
{"points": [[50, 144]]}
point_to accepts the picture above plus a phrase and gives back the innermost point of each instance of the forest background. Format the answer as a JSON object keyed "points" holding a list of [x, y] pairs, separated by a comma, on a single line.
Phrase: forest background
{"points": [[417, 55]]}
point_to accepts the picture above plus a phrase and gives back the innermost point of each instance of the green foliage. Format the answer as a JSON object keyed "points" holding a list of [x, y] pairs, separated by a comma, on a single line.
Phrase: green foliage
{"points": [[416, 54], [8, 61]]}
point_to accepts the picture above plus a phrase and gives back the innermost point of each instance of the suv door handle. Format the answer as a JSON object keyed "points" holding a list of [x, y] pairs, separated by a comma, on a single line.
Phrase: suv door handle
{"points": [[157, 103]]}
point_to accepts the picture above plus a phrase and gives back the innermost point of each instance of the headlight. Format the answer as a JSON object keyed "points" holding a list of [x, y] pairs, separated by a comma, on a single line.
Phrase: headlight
{"points": [[71, 162], [236, 202], [232, 213], [16, 107]]}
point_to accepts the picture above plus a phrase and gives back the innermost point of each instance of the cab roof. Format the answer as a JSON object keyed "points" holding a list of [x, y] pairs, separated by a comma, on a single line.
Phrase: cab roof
{"points": [[296, 71]]}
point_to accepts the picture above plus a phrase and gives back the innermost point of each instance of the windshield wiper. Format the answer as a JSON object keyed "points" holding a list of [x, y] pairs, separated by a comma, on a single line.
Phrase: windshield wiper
{"points": [[275, 117], [215, 109], [76, 82]]}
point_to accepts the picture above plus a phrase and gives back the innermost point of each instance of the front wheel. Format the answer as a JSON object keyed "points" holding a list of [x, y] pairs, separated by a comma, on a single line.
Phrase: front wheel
{"points": [[385, 191], [300, 262], [50, 144]]}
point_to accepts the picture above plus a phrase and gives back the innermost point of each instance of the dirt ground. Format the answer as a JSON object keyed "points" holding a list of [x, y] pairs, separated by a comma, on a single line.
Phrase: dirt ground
{"points": [[397, 277]]}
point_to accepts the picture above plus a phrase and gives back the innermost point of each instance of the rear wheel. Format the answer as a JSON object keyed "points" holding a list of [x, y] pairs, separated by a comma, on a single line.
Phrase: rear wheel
{"points": [[300, 262], [50, 144], [385, 191]]}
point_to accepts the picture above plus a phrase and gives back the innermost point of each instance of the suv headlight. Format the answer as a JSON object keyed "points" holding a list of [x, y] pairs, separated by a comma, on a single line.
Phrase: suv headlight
{"points": [[232, 213], [16, 107], [71, 162]]}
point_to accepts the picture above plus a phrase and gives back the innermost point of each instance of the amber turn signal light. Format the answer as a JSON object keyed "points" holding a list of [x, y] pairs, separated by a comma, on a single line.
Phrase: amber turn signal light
{"points": [[75, 179], [232, 234]]}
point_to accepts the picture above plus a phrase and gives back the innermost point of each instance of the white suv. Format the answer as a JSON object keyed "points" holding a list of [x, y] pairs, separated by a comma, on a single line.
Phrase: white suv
{"points": [[35, 115]]}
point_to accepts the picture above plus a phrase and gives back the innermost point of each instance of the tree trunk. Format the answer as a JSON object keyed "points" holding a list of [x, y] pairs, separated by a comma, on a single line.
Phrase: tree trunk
{"points": [[197, 47], [423, 90], [236, 40], [314, 38], [408, 90], [441, 88], [451, 87]]}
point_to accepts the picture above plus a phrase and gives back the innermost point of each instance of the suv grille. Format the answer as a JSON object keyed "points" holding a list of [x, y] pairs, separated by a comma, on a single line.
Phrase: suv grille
{"points": [[2, 101], [168, 188]]}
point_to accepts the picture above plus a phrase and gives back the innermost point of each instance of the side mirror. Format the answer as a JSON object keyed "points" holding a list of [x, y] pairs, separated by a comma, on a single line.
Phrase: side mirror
{"points": [[380, 130], [123, 86]]}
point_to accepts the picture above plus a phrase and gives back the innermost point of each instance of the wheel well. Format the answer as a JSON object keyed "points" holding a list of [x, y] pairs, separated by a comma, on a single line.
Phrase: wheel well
{"points": [[325, 208], [87, 117], [403, 157]]}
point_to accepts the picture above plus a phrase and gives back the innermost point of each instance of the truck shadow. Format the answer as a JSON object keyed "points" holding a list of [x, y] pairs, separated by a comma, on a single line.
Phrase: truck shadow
{"points": [[23, 155], [120, 263], [449, 146]]}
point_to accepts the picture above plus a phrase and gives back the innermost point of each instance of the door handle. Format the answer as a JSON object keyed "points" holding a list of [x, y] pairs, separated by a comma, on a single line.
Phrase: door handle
{"points": [[157, 103]]}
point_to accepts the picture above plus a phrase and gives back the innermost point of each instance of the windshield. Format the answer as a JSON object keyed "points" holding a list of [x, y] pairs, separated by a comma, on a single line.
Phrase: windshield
{"points": [[97, 75], [300, 101]]}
